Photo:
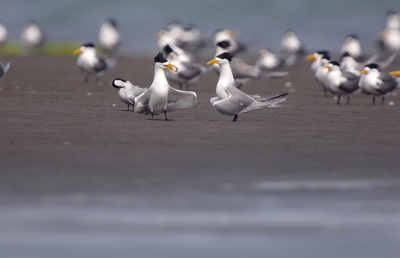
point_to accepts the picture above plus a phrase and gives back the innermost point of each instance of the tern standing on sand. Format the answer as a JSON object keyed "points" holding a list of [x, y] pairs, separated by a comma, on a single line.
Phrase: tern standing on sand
{"points": [[231, 101], [161, 97]]}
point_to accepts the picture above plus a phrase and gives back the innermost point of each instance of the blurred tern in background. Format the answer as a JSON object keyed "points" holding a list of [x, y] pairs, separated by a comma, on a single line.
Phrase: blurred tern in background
{"points": [[291, 47], [188, 72], [109, 37], [352, 46], [32, 35], [3, 33], [243, 72]]}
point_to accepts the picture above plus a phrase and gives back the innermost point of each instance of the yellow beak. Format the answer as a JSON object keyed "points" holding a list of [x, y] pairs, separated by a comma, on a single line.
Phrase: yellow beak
{"points": [[214, 61], [327, 66], [363, 71], [395, 73], [78, 51], [172, 67], [310, 57]]}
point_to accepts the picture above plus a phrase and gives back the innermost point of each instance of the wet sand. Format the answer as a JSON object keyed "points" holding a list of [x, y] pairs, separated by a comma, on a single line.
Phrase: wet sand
{"points": [[61, 137]]}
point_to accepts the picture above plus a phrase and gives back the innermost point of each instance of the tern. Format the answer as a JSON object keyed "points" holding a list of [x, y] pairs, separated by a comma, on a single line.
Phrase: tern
{"points": [[32, 35], [188, 72], [291, 47], [352, 46], [349, 64], [3, 33], [127, 91], [231, 101], [376, 83], [4, 69], [231, 36], [90, 62], [160, 97], [321, 59], [269, 61], [109, 37], [341, 83]]}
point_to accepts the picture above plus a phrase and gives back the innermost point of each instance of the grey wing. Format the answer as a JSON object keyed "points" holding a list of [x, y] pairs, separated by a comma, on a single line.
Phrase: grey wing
{"points": [[240, 69], [389, 83], [100, 65], [235, 103], [351, 83], [141, 102], [178, 99]]}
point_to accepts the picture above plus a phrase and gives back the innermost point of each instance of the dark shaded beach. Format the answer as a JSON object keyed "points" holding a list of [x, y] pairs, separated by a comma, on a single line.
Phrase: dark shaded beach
{"points": [[328, 174]]}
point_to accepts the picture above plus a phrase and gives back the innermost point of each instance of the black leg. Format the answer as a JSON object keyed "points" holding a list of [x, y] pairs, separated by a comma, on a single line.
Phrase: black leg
{"points": [[373, 100], [338, 99], [383, 99], [165, 114], [348, 100], [128, 108], [187, 86], [235, 118]]}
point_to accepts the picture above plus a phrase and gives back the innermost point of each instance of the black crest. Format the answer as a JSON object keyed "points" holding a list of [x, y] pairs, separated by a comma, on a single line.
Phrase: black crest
{"points": [[326, 56], [168, 49], [88, 44], [160, 58], [226, 55], [322, 52], [372, 66], [224, 44], [334, 63]]}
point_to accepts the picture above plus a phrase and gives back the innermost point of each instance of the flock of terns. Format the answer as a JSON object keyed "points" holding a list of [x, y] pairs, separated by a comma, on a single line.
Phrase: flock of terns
{"points": [[178, 63]]}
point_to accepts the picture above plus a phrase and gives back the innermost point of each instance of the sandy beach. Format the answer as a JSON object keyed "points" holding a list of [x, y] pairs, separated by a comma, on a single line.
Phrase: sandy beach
{"points": [[60, 137]]}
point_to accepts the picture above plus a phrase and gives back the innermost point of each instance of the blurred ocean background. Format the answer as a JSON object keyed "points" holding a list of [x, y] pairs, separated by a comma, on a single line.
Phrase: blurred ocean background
{"points": [[320, 24]]}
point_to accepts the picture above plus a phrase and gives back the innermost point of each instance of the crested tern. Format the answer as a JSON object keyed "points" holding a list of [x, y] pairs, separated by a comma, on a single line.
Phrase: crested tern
{"points": [[127, 91], [32, 35], [341, 83], [269, 61], [92, 63], [231, 101], [109, 37], [376, 83], [321, 59], [4, 69], [160, 97]]}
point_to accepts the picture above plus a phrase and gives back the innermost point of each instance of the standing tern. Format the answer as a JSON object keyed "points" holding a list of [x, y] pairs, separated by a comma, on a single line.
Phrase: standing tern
{"points": [[160, 97], [109, 37], [341, 83], [127, 91], [90, 62], [376, 83], [291, 47], [231, 101], [321, 59]]}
